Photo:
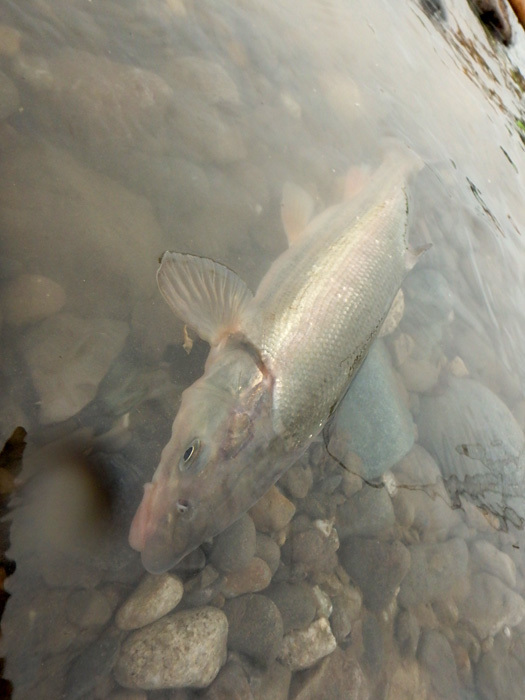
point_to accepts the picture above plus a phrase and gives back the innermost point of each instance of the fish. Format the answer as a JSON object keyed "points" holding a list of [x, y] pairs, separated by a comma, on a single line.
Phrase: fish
{"points": [[280, 360]]}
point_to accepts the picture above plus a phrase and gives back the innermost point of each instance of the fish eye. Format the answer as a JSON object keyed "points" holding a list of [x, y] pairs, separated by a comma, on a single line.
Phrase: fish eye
{"points": [[190, 454]]}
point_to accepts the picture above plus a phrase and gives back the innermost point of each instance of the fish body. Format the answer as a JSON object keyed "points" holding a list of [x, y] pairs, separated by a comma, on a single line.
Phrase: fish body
{"points": [[280, 361]]}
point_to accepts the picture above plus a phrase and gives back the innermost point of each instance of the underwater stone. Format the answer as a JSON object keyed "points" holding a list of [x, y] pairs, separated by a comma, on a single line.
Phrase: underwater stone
{"points": [[303, 648], [372, 420], [155, 597], [185, 649]]}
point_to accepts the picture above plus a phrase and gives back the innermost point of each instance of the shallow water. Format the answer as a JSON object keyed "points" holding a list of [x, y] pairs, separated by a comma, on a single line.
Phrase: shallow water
{"points": [[129, 128]]}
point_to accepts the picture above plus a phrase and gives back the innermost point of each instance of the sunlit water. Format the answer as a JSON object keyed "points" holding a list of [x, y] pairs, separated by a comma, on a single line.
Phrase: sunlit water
{"points": [[132, 127]]}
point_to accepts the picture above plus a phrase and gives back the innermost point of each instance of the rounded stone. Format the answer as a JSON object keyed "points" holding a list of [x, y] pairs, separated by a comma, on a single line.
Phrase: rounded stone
{"points": [[256, 576], [155, 597], [234, 547], [272, 512], [296, 602], [255, 627], [303, 648], [9, 98], [185, 649], [268, 550], [30, 298]]}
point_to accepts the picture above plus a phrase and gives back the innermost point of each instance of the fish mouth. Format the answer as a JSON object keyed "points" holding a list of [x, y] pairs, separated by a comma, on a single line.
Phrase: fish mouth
{"points": [[156, 531]]}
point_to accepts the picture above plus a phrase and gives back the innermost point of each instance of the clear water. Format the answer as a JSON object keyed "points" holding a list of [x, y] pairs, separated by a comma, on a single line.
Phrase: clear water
{"points": [[132, 127]]}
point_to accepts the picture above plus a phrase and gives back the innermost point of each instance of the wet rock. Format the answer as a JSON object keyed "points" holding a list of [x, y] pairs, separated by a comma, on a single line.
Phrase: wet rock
{"points": [[296, 603], [407, 632], [67, 357], [346, 609], [274, 683], [93, 664], [61, 571], [268, 550], [30, 298], [367, 513], [88, 608], [434, 570], [272, 512], [436, 657], [206, 77], [491, 605], [372, 420], [376, 567], [230, 684], [479, 446], [255, 576], [111, 250], [501, 673], [9, 99], [494, 14], [311, 550], [336, 676], [373, 643], [406, 682], [255, 627], [298, 480], [234, 547], [419, 375], [203, 587], [127, 695], [185, 649], [303, 648], [485, 557], [155, 597]]}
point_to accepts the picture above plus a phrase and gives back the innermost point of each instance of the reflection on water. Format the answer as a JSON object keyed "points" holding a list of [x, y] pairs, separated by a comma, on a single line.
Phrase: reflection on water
{"points": [[388, 562]]}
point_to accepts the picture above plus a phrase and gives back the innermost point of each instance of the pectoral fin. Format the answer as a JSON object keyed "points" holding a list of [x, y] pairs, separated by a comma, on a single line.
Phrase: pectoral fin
{"points": [[207, 296], [297, 207]]}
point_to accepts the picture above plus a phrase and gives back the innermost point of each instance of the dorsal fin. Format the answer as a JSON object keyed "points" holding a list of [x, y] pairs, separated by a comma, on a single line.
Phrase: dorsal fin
{"points": [[204, 294], [297, 207]]}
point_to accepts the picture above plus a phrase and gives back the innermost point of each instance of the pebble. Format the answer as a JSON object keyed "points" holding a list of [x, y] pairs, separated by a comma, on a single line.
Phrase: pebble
{"points": [[337, 676], [303, 648], [311, 551], [436, 657], [88, 608], [419, 375], [274, 683], [373, 637], [153, 598], [491, 605], [203, 587], [501, 673], [369, 512], [30, 298], [298, 480], [193, 640], [9, 98], [485, 557], [127, 695], [434, 571], [268, 550], [254, 577], [376, 567], [272, 512], [296, 603], [407, 632], [407, 682], [255, 627], [67, 358], [372, 420], [346, 610], [234, 547], [230, 684]]}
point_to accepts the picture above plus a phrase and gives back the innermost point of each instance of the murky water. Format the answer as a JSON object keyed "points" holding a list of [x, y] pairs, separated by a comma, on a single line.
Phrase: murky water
{"points": [[389, 561]]}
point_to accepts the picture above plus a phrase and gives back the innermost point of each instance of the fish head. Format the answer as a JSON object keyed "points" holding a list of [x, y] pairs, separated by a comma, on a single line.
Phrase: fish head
{"points": [[203, 481]]}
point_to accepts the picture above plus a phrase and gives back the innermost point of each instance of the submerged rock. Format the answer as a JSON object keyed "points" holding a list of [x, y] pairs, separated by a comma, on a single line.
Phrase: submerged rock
{"points": [[30, 298], [491, 605], [372, 420], [152, 599], [185, 649], [303, 648], [479, 446], [255, 627], [67, 357]]}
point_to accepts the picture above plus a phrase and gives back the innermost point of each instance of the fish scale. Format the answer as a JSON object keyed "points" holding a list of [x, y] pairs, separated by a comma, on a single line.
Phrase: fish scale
{"points": [[319, 322]]}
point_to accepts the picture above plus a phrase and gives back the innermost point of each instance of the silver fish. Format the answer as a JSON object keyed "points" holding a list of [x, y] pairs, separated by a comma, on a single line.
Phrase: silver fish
{"points": [[280, 361]]}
